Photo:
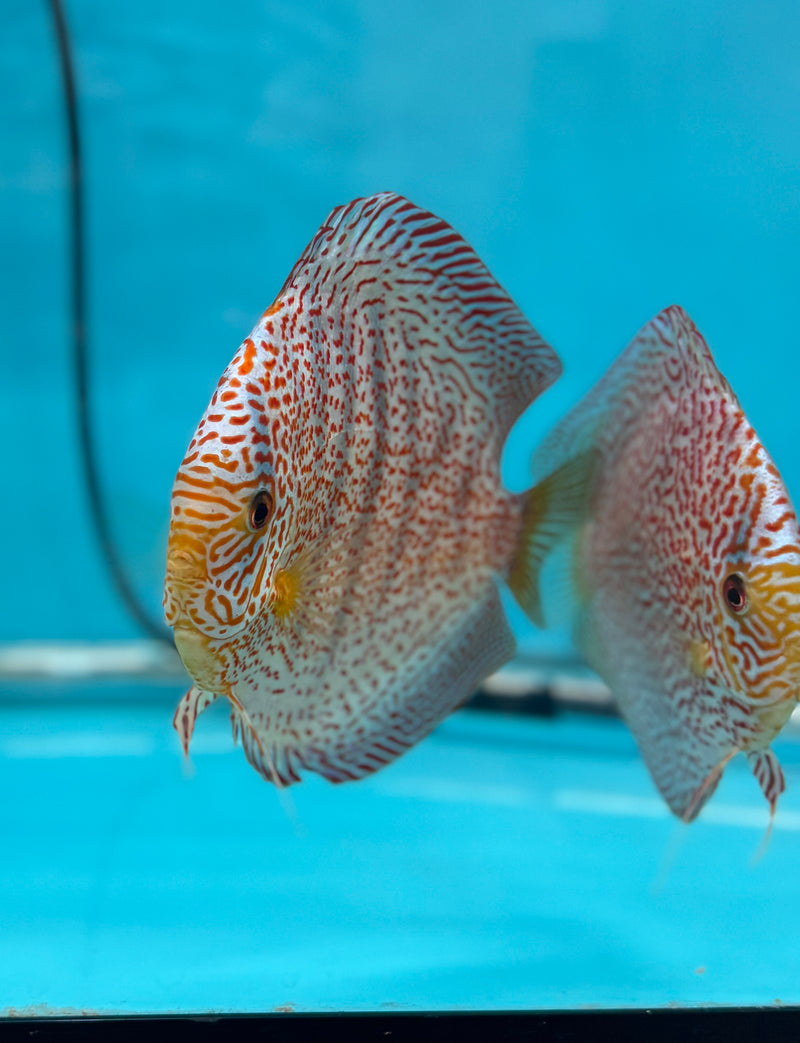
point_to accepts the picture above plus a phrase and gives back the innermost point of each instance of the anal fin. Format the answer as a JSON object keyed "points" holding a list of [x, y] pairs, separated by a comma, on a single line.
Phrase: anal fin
{"points": [[421, 695], [392, 717]]}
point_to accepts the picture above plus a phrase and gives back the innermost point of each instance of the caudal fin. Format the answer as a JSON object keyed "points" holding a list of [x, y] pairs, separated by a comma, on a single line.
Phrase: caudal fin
{"points": [[555, 510]]}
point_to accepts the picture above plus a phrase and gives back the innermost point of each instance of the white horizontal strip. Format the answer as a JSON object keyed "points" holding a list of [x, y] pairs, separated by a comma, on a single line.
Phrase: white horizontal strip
{"points": [[563, 677], [451, 791], [624, 805], [91, 744], [75, 659]]}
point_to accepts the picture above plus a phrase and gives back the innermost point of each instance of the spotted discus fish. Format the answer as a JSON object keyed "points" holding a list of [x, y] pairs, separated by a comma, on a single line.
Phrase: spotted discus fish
{"points": [[338, 522], [683, 561]]}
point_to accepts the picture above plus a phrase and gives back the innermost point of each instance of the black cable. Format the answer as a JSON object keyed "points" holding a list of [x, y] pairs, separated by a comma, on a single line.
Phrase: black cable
{"points": [[80, 355]]}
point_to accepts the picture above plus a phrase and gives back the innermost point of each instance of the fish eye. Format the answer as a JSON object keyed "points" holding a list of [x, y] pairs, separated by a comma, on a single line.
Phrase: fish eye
{"points": [[260, 511], [735, 594]]}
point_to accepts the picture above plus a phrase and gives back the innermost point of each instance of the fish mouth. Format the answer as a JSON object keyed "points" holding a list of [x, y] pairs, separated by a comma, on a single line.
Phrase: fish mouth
{"points": [[183, 610], [201, 657], [183, 566]]}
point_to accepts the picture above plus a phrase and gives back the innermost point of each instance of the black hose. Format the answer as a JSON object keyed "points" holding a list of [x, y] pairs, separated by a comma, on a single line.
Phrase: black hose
{"points": [[97, 508]]}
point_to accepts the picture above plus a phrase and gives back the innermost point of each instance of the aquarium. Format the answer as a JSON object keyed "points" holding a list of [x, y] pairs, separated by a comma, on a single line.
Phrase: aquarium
{"points": [[605, 160]]}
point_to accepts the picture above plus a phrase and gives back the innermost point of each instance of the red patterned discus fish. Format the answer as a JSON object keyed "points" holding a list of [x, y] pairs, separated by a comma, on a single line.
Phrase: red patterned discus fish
{"points": [[338, 522], [684, 561]]}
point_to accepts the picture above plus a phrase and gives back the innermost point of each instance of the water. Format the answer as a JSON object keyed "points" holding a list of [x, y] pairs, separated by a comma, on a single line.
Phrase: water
{"points": [[605, 158], [501, 864]]}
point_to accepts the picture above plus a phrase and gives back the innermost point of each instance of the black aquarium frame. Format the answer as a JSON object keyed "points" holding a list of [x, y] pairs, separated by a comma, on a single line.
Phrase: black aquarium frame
{"points": [[659, 1025]]}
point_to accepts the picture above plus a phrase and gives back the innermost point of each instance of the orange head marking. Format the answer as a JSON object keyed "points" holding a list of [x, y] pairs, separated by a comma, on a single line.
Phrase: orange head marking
{"points": [[761, 603], [229, 506], [758, 592]]}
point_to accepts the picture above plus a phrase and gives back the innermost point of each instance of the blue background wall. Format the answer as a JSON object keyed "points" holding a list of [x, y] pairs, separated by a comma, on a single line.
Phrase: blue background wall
{"points": [[605, 158]]}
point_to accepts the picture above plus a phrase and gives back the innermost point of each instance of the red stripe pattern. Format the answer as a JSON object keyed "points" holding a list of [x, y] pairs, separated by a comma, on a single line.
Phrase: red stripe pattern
{"points": [[686, 500], [370, 403]]}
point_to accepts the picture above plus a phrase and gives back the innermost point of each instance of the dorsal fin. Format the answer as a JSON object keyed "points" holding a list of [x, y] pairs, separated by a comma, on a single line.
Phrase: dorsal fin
{"points": [[666, 357], [426, 284]]}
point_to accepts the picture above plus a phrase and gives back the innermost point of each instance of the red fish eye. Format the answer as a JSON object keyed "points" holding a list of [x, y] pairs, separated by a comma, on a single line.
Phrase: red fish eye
{"points": [[260, 511], [735, 594]]}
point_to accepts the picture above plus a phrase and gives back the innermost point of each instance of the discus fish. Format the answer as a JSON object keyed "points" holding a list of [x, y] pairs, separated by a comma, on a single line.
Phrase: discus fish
{"points": [[338, 523], [682, 557]]}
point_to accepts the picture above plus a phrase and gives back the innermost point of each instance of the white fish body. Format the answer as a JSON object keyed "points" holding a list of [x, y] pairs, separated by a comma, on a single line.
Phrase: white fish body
{"points": [[339, 523], [684, 557]]}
